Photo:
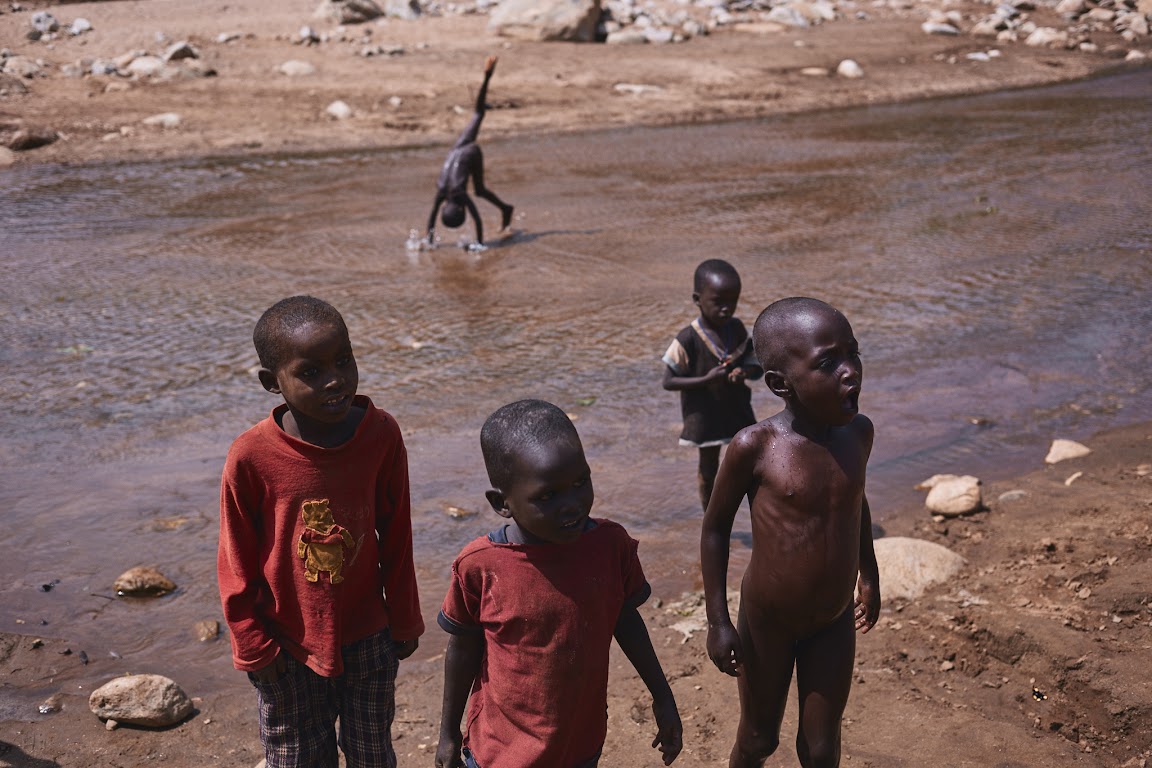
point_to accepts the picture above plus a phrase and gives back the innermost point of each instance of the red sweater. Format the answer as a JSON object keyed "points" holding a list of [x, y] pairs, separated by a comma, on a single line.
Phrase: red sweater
{"points": [[316, 543]]}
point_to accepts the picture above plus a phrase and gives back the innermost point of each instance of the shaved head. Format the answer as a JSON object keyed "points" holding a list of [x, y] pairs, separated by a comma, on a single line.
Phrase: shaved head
{"points": [[779, 323], [516, 428]]}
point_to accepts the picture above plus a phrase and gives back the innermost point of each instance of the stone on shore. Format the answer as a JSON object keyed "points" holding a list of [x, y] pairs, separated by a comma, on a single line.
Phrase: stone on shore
{"points": [[22, 66], [149, 700], [44, 22], [348, 11], [338, 110], [181, 50], [849, 69], [1046, 37], [1062, 450], [145, 66], [909, 566], [955, 496], [7, 157], [143, 581], [545, 20], [79, 27], [296, 68], [167, 120]]}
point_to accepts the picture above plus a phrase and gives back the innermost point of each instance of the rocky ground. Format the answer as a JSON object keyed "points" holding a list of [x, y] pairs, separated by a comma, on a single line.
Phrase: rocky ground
{"points": [[149, 78], [1035, 653]]}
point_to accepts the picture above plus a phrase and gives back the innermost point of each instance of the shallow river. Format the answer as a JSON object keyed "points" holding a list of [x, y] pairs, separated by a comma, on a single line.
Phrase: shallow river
{"points": [[992, 254]]}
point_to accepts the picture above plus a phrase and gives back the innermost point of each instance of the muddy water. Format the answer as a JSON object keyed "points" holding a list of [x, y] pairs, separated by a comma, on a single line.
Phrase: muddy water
{"points": [[992, 253]]}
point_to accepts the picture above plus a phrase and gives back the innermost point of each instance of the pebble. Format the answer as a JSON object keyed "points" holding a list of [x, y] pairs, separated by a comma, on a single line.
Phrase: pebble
{"points": [[296, 68], [338, 110], [168, 120], [939, 28], [79, 27], [849, 69]]}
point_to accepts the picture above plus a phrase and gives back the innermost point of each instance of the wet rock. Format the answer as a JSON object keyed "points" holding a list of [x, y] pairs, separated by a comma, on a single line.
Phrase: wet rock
{"points": [[206, 630], [22, 66], [168, 120], [148, 700], [79, 27], [145, 66], [1062, 450], [954, 496], [569, 20], [143, 581], [348, 11], [338, 110], [50, 705], [909, 566], [44, 22], [1046, 37], [181, 50], [296, 69], [849, 69]]}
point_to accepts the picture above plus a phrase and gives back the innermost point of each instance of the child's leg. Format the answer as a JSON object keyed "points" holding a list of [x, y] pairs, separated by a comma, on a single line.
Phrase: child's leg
{"points": [[824, 664], [297, 719], [706, 477], [763, 685], [477, 162], [368, 702]]}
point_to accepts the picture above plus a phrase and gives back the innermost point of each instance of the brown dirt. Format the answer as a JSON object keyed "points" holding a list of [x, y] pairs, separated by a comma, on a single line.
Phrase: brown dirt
{"points": [[248, 107], [1036, 655]]}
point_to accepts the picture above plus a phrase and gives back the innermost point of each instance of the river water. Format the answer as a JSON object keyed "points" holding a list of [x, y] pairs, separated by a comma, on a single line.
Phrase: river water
{"points": [[991, 252]]}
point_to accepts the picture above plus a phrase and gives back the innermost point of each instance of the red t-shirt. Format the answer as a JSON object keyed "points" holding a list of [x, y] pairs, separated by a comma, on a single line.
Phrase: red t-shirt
{"points": [[548, 612], [316, 543]]}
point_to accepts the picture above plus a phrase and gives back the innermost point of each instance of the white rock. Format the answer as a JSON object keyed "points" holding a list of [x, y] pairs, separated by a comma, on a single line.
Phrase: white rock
{"points": [[297, 68], [44, 22], [22, 66], [348, 11], [939, 28], [146, 66], [180, 50], [658, 35], [402, 9], [1044, 37], [1135, 55], [849, 69], [627, 36], [1138, 23], [977, 56], [79, 27], [636, 89], [164, 120], [338, 110], [150, 700], [571, 20], [789, 16], [910, 566], [957, 496], [815, 71], [932, 482], [1065, 449], [1071, 7], [227, 37]]}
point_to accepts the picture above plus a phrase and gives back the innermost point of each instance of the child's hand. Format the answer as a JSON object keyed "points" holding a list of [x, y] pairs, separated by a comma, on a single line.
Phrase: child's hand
{"points": [[736, 375], [867, 608], [272, 671], [405, 648], [670, 736], [490, 65], [448, 753], [717, 373], [724, 648]]}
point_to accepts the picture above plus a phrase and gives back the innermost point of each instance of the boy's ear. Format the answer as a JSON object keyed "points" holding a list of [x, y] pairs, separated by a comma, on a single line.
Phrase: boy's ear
{"points": [[778, 383], [497, 501], [696, 298], [268, 381]]}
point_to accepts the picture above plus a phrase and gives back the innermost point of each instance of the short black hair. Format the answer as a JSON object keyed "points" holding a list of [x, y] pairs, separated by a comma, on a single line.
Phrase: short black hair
{"points": [[769, 334], [284, 316], [713, 268], [452, 214], [518, 424]]}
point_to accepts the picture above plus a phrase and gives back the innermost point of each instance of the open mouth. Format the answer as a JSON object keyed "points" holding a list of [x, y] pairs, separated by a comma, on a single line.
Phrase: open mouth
{"points": [[336, 402], [573, 524]]}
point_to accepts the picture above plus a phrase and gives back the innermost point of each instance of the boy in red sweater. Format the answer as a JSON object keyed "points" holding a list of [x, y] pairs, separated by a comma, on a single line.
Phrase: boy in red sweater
{"points": [[534, 605], [315, 558]]}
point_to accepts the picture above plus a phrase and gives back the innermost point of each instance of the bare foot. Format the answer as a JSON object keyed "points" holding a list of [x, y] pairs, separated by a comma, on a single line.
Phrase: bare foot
{"points": [[506, 216]]}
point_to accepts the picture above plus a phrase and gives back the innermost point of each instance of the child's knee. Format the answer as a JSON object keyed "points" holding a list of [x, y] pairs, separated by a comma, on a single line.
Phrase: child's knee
{"points": [[755, 744], [819, 751]]}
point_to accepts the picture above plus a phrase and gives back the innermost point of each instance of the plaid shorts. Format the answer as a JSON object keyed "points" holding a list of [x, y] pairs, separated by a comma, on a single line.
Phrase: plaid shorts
{"points": [[298, 712]]}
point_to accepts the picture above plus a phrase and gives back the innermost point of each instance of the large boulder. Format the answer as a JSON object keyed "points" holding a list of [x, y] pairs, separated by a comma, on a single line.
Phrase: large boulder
{"points": [[909, 566], [150, 700], [571, 20]]}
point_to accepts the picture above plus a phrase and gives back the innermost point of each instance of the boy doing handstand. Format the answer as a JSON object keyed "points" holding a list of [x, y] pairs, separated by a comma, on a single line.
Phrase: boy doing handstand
{"points": [[803, 473], [466, 161], [315, 557], [708, 363], [533, 606]]}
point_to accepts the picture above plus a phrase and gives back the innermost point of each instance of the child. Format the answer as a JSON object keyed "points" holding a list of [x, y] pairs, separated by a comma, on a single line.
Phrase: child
{"points": [[465, 161], [315, 559], [803, 472], [708, 363], [534, 605]]}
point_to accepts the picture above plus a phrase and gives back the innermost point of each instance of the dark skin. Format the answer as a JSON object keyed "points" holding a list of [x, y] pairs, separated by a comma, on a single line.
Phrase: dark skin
{"points": [[717, 300], [465, 161], [317, 377], [803, 471], [548, 498]]}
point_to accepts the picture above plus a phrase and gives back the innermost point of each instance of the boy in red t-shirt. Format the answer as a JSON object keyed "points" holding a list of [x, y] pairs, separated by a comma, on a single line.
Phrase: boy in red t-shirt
{"points": [[315, 558], [533, 607]]}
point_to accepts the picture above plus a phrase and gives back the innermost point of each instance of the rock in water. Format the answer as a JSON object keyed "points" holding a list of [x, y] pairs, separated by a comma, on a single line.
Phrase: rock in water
{"points": [[143, 581], [151, 700], [1065, 449], [910, 566]]}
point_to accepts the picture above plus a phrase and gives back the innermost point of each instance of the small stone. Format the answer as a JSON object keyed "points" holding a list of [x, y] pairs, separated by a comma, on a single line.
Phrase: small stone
{"points": [[1135, 55], [146, 66], [815, 72], [947, 666], [636, 89], [168, 120], [1084, 593], [79, 27], [7, 157], [208, 629], [1046, 37], [50, 705], [1013, 495], [44, 22], [1073, 478], [297, 69], [1063, 450], [849, 69], [227, 37], [338, 110], [939, 28]]}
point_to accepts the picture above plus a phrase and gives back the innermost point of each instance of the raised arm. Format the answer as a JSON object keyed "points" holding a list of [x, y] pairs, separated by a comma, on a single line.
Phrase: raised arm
{"points": [[461, 666], [732, 484], [632, 636], [482, 96]]}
